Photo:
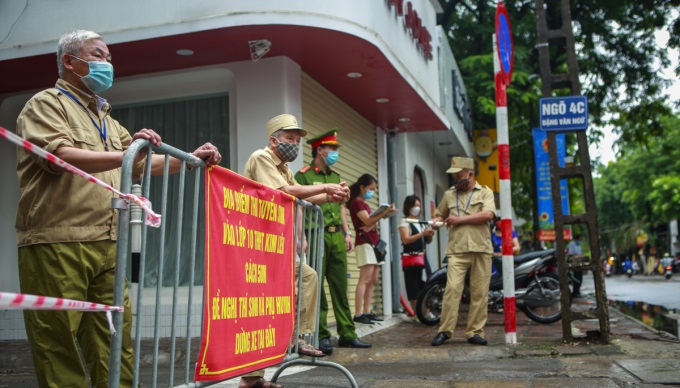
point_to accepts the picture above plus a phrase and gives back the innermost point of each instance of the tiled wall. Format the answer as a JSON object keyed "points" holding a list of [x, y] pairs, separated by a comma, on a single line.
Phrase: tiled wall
{"points": [[12, 325]]}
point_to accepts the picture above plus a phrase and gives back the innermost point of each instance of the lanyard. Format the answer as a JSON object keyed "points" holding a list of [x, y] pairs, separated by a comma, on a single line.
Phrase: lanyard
{"points": [[102, 133], [468, 202]]}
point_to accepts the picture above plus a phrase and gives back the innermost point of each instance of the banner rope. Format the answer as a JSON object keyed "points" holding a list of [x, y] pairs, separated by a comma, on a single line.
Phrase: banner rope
{"points": [[152, 219]]}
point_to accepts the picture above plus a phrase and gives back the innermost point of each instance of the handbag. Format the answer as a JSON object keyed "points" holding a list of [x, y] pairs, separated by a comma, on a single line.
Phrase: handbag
{"points": [[413, 259], [379, 249]]}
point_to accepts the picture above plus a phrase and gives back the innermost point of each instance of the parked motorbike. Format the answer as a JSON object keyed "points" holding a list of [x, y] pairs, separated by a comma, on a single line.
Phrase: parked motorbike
{"points": [[537, 289], [627, 267]]}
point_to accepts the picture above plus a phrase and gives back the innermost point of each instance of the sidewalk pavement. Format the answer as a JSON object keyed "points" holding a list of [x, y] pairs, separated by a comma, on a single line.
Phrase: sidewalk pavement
{"points": [[402, 356]]}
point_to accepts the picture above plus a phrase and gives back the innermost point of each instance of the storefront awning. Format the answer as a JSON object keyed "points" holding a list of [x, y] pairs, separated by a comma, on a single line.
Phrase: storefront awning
{"points": [[328, 56]]}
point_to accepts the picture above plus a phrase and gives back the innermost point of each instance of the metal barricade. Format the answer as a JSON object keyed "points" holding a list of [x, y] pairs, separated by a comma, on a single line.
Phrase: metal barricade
{"points": [[194, 320], [310, 218]]}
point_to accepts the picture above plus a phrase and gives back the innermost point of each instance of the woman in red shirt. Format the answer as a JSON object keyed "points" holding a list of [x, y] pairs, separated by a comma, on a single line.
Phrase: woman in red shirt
{"points": [[365, 227]]}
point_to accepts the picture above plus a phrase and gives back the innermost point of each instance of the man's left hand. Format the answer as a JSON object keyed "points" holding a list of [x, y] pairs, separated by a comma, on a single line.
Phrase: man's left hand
{"points": [[208, 153], [150, 135]]}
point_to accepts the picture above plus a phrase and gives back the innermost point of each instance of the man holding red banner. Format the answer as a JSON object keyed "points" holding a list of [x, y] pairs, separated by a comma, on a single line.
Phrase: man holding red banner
{"points": [[269, 166]]}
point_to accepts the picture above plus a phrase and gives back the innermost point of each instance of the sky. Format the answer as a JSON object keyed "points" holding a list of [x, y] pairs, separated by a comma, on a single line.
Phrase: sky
{"points": [[605, 150]]}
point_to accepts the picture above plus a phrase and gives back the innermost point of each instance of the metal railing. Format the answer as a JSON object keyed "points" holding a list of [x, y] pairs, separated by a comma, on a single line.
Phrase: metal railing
{"points": [[132, 236]]}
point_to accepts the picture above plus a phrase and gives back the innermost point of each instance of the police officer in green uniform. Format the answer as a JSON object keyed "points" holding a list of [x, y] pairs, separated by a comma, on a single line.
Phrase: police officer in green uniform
{"points": [[337, 240]]}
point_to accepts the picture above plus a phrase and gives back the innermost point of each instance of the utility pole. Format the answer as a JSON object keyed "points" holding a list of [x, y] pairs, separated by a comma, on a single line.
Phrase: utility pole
{"points": [[563, 38]]}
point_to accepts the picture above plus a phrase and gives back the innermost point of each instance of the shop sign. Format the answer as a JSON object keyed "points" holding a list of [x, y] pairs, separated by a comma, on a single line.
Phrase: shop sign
{"points": [[414, 23]]}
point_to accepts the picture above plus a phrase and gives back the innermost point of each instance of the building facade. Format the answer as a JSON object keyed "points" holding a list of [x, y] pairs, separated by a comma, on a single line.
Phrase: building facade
{"points": [[381, 71]]}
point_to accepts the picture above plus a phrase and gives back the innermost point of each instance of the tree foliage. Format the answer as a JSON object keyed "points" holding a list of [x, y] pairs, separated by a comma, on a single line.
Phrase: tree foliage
{"points": [[642, 190], [619, 65]]}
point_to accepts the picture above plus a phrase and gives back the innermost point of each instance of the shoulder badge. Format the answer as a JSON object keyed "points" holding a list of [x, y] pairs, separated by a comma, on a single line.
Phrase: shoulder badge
{"points": [[304, 169]]}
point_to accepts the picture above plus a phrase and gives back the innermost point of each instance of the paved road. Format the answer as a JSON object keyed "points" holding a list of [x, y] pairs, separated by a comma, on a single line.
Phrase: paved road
{"points": [[653, 289]]}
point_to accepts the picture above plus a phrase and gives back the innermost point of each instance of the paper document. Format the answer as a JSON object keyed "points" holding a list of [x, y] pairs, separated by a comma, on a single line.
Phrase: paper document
{"points": [[383, 208]]}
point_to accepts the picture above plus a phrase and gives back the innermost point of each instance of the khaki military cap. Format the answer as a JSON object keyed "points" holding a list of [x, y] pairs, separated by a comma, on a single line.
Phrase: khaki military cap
{"points": [[458, 163], [285, 122]]}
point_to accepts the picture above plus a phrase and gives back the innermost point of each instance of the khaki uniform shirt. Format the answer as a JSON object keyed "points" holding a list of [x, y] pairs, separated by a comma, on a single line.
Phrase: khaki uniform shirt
{"points": [[468, 237], [313, 175], [264, 167], [60, 206]]}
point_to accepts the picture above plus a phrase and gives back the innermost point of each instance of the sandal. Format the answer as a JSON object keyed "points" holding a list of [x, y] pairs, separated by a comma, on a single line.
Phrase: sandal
{"points": [[262, 383], [307, 349]]}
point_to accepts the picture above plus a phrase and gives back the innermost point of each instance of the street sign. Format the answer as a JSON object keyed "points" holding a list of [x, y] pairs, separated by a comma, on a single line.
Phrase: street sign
{"points": [[563, 113], [506, 49]]}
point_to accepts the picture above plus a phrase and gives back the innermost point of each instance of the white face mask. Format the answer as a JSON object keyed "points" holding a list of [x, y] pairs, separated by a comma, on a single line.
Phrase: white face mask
{"points": [[415, 211]]}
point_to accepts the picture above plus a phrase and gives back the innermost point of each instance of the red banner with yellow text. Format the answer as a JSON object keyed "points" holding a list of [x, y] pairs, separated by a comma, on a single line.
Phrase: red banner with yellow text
{"points": [[249, 279]]}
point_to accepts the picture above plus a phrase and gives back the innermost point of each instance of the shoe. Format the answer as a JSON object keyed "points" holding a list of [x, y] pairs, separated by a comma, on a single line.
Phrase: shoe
{"points": [[477, 340], [363, 319], [576, 296], [374, 317], [439, 339], [325, 346], [354, 343]]}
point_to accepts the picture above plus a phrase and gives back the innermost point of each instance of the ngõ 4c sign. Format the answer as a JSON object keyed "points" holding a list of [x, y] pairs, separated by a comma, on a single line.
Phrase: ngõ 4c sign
{"points": [[563, 113]]}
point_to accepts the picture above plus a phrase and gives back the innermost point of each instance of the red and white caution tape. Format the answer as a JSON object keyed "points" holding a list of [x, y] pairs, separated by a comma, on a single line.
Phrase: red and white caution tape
{"points": [[12, 301], [152, 219]]}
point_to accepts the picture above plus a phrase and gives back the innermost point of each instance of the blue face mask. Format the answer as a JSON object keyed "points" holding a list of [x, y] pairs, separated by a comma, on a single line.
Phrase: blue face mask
{"points": [[100, 76], [331, 158], [369, 194]]}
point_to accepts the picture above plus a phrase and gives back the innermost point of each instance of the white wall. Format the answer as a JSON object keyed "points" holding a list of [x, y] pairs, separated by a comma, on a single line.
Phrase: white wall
{"points": [[263, 89], [9, 194]]}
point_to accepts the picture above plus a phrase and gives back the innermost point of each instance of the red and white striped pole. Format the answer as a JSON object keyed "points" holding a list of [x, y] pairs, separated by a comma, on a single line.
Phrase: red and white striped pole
{"points": [[505, 198]]}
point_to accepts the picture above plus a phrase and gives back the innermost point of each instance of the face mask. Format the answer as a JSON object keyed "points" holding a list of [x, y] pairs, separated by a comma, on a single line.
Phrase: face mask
{"points": [[369, 194], [462, 184], [331, 158], [415, 211], [288, 151], [100, 76]]}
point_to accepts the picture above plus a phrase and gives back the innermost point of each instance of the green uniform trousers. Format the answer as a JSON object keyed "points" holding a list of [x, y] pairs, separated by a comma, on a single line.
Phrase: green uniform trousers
{"points": [[81, 271], [480, 276], [335, 272]]}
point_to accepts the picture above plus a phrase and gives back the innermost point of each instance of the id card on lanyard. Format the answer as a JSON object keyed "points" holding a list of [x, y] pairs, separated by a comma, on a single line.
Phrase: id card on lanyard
{"points": [[102, 131]]}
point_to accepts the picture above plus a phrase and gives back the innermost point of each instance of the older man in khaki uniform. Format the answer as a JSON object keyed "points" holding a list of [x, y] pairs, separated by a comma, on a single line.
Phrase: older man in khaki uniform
{"points": [[269, 166], [466, 209], [66, 228]]}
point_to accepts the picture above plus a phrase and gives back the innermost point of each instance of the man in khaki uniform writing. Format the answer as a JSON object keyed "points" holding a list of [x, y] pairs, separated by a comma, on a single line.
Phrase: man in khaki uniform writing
{"points": [[466, 209], [269, 166]]}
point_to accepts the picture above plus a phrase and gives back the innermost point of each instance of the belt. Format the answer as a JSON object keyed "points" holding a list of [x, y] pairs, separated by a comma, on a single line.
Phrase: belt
{"points": [[332, 228]]}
